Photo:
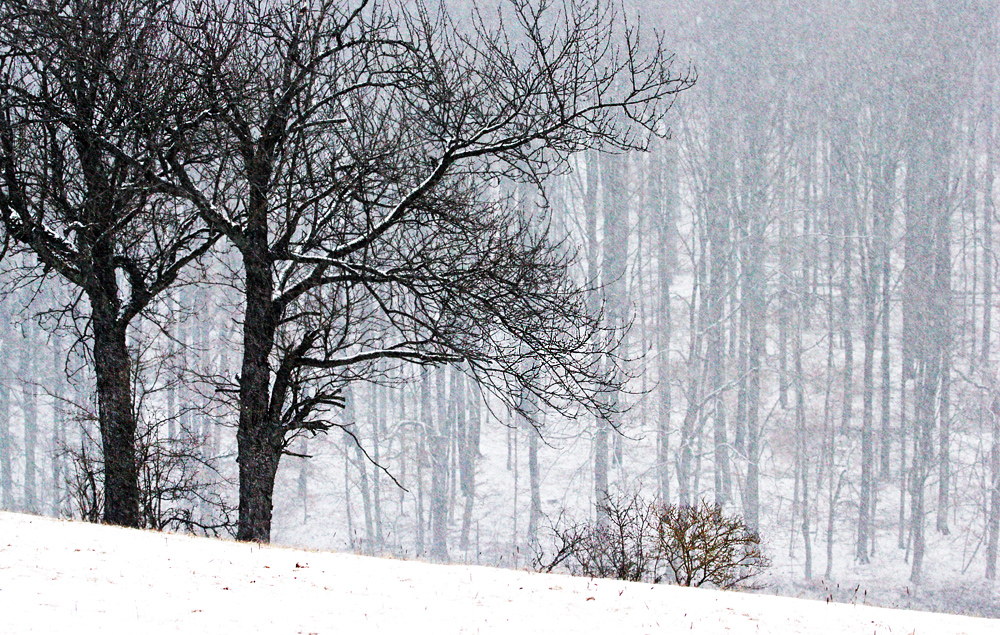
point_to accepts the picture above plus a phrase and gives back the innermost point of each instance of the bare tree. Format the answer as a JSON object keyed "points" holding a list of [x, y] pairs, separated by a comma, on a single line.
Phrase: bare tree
{"points": [[356, 149], [86, 108]]}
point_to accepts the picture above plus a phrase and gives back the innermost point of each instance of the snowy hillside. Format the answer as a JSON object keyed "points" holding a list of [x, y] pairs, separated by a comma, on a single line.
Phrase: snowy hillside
{"points": [[59, 576]]}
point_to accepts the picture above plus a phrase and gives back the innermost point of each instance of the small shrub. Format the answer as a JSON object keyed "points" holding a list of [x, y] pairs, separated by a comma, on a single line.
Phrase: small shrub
{"points": [[700, 545], [621, 544]]}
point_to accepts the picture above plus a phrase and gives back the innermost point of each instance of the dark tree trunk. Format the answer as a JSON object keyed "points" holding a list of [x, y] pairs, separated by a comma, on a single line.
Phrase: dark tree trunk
{"points": [[259, 443], [112, 367]]}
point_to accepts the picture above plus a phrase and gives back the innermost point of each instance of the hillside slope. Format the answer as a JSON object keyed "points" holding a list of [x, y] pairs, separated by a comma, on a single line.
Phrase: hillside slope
{"points": [[60, 575]]}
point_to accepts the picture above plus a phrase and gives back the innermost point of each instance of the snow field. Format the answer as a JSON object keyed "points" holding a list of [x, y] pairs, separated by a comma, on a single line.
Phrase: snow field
{"points": [[62, 576]]}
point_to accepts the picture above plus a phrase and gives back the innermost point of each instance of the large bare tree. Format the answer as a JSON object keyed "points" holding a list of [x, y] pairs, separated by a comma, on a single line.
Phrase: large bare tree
{"points": [[359, 149], [86, 108]]}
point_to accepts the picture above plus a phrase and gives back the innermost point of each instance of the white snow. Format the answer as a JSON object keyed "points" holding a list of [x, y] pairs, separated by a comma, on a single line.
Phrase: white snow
{"points": [[63, 576]]}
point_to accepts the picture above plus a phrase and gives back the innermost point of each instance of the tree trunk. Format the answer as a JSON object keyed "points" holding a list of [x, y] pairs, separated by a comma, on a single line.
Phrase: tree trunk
{"points": [[755, 308], [943, 338], [303, 480], [883, 210], [989, 259], [112, 367], [868, 276], [534, 478], [29, 416], [6, 473], [666, 183], [259, 443], [720, 248], [438, 446], [467, 461], [600, 447], [378, 403], [58, 426], [614, 170], [993, 519], [800, 425]]}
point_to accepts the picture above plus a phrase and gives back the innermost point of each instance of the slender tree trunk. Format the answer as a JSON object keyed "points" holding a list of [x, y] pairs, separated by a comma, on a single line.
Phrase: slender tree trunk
{"points": [[883, 209], [366, 495], [378, 402], [6, 468], [348, 443], [467, 461], [665, 179], [989, 258], [534, 478], [800, 426], [600, 447], [754, 305], [904, 473], [58, 426], [438, 447], [614, 179], [993, 519], [847, 326], [29, 412], [944, 339], [422, 443], [720, 248], [923, 419], [354, 442], [302, 483], [868, 275]]}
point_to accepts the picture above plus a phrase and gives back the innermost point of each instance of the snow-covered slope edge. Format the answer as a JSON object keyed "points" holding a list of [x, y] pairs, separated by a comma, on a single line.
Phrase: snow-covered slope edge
{"points": [[59, 576]]}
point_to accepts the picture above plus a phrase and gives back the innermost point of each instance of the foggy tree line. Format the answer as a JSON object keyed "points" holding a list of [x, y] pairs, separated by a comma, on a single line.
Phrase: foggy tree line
{"points": [[828, 313], [807, 268]]}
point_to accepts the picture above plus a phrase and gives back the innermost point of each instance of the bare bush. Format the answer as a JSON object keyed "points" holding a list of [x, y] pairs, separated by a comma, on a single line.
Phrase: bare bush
{"points": [[700, 545], [639, 541], [180, 484]]}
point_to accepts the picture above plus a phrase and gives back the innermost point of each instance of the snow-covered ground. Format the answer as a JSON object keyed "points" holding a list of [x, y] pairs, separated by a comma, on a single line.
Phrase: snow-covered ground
{"points": [[61, 576]]}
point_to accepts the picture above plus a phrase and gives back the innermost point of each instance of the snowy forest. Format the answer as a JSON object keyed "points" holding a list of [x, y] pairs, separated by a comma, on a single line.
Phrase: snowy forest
{"points": [[768, 286]]}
